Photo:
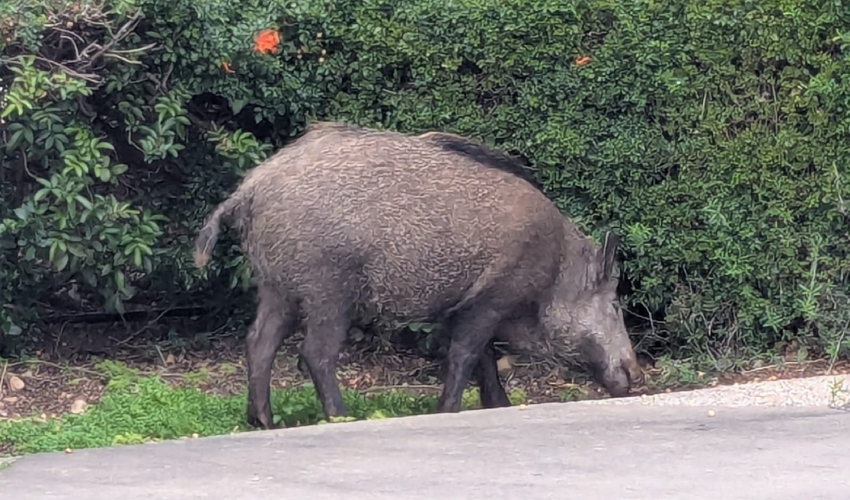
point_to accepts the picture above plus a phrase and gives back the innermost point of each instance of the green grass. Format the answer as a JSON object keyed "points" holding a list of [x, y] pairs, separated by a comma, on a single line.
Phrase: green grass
{"points": [[839, 395], [137, 409]]}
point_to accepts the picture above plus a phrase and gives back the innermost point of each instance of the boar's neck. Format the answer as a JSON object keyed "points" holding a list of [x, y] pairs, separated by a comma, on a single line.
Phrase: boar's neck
{"points": [[580, 267]]}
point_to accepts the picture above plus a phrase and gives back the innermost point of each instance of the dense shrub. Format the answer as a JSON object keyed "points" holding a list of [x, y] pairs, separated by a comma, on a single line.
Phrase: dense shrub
{"points": [[712, 135]]}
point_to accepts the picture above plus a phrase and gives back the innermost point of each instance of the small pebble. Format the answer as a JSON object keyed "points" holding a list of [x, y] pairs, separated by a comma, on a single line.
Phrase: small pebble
{"points": [[78, 406], [711, 413], [15, 383]]}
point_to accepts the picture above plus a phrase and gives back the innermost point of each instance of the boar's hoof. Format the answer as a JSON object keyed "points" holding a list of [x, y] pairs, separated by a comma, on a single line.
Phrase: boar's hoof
{"points": [[260, 422], [618, 382]]}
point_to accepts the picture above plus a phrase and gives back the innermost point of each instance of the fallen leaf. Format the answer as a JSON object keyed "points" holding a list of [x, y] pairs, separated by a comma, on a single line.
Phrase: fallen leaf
{"points": [[503, 364], [78, 406], [15, 383], [10, 399]]}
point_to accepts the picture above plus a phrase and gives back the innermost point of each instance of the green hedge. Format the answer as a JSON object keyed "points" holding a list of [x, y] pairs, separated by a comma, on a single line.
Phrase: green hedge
{"points": [[712, 135]]}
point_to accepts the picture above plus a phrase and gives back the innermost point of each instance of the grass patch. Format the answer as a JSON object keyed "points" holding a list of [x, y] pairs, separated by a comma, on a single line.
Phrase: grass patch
{"points": [[839, 395], [678, 373], [198, 377], [571, 394], [136, 409]]}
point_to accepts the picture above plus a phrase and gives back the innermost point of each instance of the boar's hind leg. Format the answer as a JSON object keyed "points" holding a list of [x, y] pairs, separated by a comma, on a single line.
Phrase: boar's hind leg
{"points": [[276, 319], [486, 374], [471, 330], [326, 328]]}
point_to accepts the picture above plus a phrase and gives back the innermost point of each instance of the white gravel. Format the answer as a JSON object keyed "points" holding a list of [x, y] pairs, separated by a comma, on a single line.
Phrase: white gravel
{"points": [[828, 390]]}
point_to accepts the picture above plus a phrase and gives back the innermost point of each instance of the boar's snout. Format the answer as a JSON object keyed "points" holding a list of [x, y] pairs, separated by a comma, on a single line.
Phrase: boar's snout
{"points": [[621, 375]]}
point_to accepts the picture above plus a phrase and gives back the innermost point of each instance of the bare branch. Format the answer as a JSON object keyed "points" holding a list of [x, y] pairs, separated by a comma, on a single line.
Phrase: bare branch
{"points": [[123, 32], [112, 55], [90, 47]]}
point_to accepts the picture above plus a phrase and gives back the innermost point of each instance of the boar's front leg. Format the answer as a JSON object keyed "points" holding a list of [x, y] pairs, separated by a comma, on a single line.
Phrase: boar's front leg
{"points": [[522, 326], [275, 321], [471, 330], [486, 374]]}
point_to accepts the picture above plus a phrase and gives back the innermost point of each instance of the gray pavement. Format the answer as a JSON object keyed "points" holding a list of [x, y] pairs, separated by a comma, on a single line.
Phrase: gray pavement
{"points": [[556, 451]]}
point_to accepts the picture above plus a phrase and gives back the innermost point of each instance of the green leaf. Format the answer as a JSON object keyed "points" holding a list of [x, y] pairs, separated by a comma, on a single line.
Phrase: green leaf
{"points": [[72, 208], [9, 109], [14, 141], [61, 262], [84, 202], [28, 135], [119, 280], [236, 105], [77, 250]]}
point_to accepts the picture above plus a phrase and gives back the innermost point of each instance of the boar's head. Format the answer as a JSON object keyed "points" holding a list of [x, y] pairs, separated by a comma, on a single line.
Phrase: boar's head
{"points": [[584, 320]]}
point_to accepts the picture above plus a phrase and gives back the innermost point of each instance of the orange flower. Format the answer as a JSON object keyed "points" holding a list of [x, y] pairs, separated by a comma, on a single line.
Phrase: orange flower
{"points": [[266, 41], [581, 61], [226, 67]]}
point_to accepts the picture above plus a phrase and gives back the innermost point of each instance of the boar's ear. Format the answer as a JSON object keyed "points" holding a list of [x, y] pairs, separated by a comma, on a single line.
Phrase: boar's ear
{"points": [[609, 254]]}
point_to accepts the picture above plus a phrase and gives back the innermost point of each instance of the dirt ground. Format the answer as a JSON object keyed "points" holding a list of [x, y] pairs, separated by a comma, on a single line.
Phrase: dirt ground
{"points": [[60, 381]]}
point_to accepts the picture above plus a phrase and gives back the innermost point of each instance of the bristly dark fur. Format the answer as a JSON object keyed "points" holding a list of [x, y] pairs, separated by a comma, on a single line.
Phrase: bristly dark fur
{"points": [[483, 154]]}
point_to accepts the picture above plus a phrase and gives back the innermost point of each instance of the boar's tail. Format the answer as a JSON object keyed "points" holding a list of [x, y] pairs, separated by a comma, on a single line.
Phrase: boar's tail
{"points": [[208, 236]]}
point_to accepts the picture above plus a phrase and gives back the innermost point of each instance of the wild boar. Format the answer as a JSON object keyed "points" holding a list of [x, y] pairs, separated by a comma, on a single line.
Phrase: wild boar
{"points": [[348, 223]]}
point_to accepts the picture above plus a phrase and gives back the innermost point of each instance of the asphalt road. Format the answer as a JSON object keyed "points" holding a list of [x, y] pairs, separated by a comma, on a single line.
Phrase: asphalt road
{"points": [[557, 451]]}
